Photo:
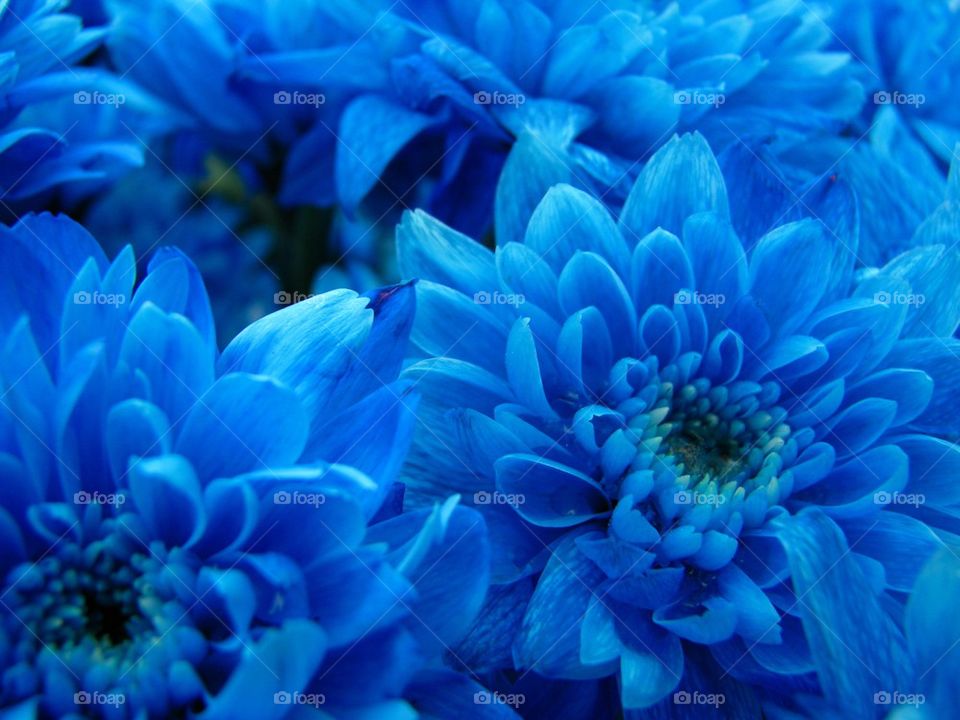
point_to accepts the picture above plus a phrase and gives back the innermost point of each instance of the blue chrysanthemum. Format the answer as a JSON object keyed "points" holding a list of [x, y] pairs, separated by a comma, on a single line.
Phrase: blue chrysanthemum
{"points": [[446, 96], [896, 152], [61, 123], [710, 467], [187, 535], [374, 107], [910, 59]]}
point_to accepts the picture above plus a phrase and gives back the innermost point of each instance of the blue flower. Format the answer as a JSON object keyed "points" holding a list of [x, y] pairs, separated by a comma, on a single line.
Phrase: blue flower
{"points": [[61, 123], [709, 466], [184, 532], [375, 107], [231, 258], [896, 151], [909, 61], [448, 105]]}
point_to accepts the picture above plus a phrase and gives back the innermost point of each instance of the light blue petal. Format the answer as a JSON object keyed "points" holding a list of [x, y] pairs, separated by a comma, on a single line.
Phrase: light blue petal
{"points": [[531, 169], [933, 632], [429, 250], [171, 355], [659, 270], [934, 464], [135, 427], [331, 349], [243, 423], [931, 273], [587, 280], [283, 660], [786, 273], [568, 220], [910, 389], [525, 370], [169, 498], [680, 180]]}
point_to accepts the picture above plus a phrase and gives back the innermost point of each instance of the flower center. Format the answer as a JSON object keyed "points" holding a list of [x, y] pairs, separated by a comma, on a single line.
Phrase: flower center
{"points": [[703, 443], [108, 615], [724, 440], [81, 595]]}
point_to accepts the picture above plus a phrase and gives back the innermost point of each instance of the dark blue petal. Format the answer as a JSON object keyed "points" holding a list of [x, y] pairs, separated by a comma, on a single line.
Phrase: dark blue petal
{"points": [[549, 639], [355, 593], [900, 543], [856, 646], [282, 661], [439, 550], [550, 494], [372, 436], [757, 619]]}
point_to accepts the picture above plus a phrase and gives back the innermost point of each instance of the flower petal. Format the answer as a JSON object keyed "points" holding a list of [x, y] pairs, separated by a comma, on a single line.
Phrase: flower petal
{"points": [[855, 644], [553, 495], [680, 180], [243, 423], [169, 498]]}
